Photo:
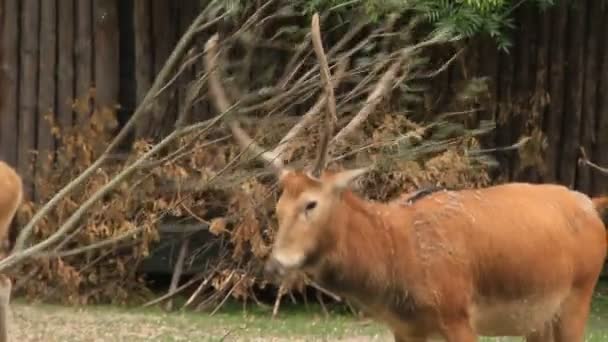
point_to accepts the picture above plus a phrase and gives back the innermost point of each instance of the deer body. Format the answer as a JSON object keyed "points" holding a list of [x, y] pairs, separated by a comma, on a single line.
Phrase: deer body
{"points": [[11, 195], [509, 260], [514, 259]]}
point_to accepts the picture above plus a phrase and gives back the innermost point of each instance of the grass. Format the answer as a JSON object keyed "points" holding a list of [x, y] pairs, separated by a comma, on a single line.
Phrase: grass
{"points": [[37, 322]]}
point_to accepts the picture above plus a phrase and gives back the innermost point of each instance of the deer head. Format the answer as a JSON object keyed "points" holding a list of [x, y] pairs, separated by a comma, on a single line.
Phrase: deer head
{"points": [[310, 198]]}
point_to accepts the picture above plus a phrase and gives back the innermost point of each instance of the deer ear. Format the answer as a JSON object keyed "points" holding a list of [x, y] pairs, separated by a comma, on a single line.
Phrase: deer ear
{"points": [[342, 180]]}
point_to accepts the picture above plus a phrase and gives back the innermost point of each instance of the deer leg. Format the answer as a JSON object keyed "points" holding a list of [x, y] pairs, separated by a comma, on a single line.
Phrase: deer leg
{"points": [[401, 338], [5, 295], [544, 334], [459, 331], [571, 322]]}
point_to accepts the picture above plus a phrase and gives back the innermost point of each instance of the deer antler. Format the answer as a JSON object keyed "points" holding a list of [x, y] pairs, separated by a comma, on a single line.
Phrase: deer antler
{"points": [[330, 115], [222, 104]]}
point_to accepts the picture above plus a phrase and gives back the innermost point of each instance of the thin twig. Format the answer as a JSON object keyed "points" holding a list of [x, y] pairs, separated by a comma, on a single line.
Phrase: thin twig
{"points": [[277, 302], [198, 290], [324, 290], [583, 160], [176, 291]]}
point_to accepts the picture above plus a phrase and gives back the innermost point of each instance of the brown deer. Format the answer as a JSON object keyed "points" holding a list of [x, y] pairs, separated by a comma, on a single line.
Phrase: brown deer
{"points": [[11, 195], [515, 259]]}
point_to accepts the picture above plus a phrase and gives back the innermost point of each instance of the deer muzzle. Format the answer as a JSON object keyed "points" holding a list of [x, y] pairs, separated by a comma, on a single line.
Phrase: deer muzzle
{"points": [[273, 269]]}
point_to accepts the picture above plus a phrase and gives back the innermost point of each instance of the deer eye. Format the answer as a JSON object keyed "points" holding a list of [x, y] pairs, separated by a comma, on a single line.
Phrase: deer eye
{"points": [[310, 205]]}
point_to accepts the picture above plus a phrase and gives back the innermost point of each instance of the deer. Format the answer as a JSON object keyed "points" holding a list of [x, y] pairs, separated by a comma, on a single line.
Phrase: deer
{"points": [[11, 196], [510, 259]]}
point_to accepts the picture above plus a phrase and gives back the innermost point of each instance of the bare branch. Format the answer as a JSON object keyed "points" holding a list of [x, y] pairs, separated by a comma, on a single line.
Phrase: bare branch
{"points": [[93, 246], [310, 115], [221, 102], [371, 102], [331, 116]]}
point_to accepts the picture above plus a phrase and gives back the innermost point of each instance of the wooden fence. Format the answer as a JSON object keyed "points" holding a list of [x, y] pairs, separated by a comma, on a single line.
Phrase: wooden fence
{"points": [[555, 78]]}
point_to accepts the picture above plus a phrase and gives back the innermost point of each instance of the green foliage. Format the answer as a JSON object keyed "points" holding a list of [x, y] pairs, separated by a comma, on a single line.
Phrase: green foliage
{"points": [[462, 18]]}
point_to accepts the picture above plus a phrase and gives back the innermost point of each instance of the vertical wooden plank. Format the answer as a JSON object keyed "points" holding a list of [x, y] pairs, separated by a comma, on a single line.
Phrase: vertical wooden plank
{"points": [[505, 112], [489, 69], [83, 53], [186, 11], [107, 64], [46, 88], [533, 122], [553, 125], [600, 181], [144, 71], [543, 65], [574, 95], [9, 82], [522, 91], [163, 33], [473, 70], [65, 76], [202, 110], [127, 84], [587, 134], [28, 93]]}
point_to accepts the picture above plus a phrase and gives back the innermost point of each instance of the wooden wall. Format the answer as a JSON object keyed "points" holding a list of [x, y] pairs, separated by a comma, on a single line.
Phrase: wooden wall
{"points": [[53, 51], [552, 84]]}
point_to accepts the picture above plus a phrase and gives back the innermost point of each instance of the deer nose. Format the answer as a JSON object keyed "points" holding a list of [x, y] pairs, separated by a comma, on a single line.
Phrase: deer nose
{"points": [[273, 268]]}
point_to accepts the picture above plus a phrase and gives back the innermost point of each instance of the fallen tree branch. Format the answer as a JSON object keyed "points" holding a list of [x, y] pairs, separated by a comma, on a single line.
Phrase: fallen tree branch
{"points": [[96, 245], [163, 76], [221, 102], [71, 222]]}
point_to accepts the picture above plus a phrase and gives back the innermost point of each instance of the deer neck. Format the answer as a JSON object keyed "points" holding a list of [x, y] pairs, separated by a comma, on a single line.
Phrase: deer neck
{"points": [[363, 261]]}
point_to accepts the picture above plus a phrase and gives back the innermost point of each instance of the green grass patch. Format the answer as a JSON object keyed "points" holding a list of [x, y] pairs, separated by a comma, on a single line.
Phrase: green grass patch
{"points": [[231, 323]]}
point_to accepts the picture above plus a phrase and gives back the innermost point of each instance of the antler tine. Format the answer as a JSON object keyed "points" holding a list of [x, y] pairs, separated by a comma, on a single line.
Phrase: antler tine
{"points": [[330, 115], [222, 104]]}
